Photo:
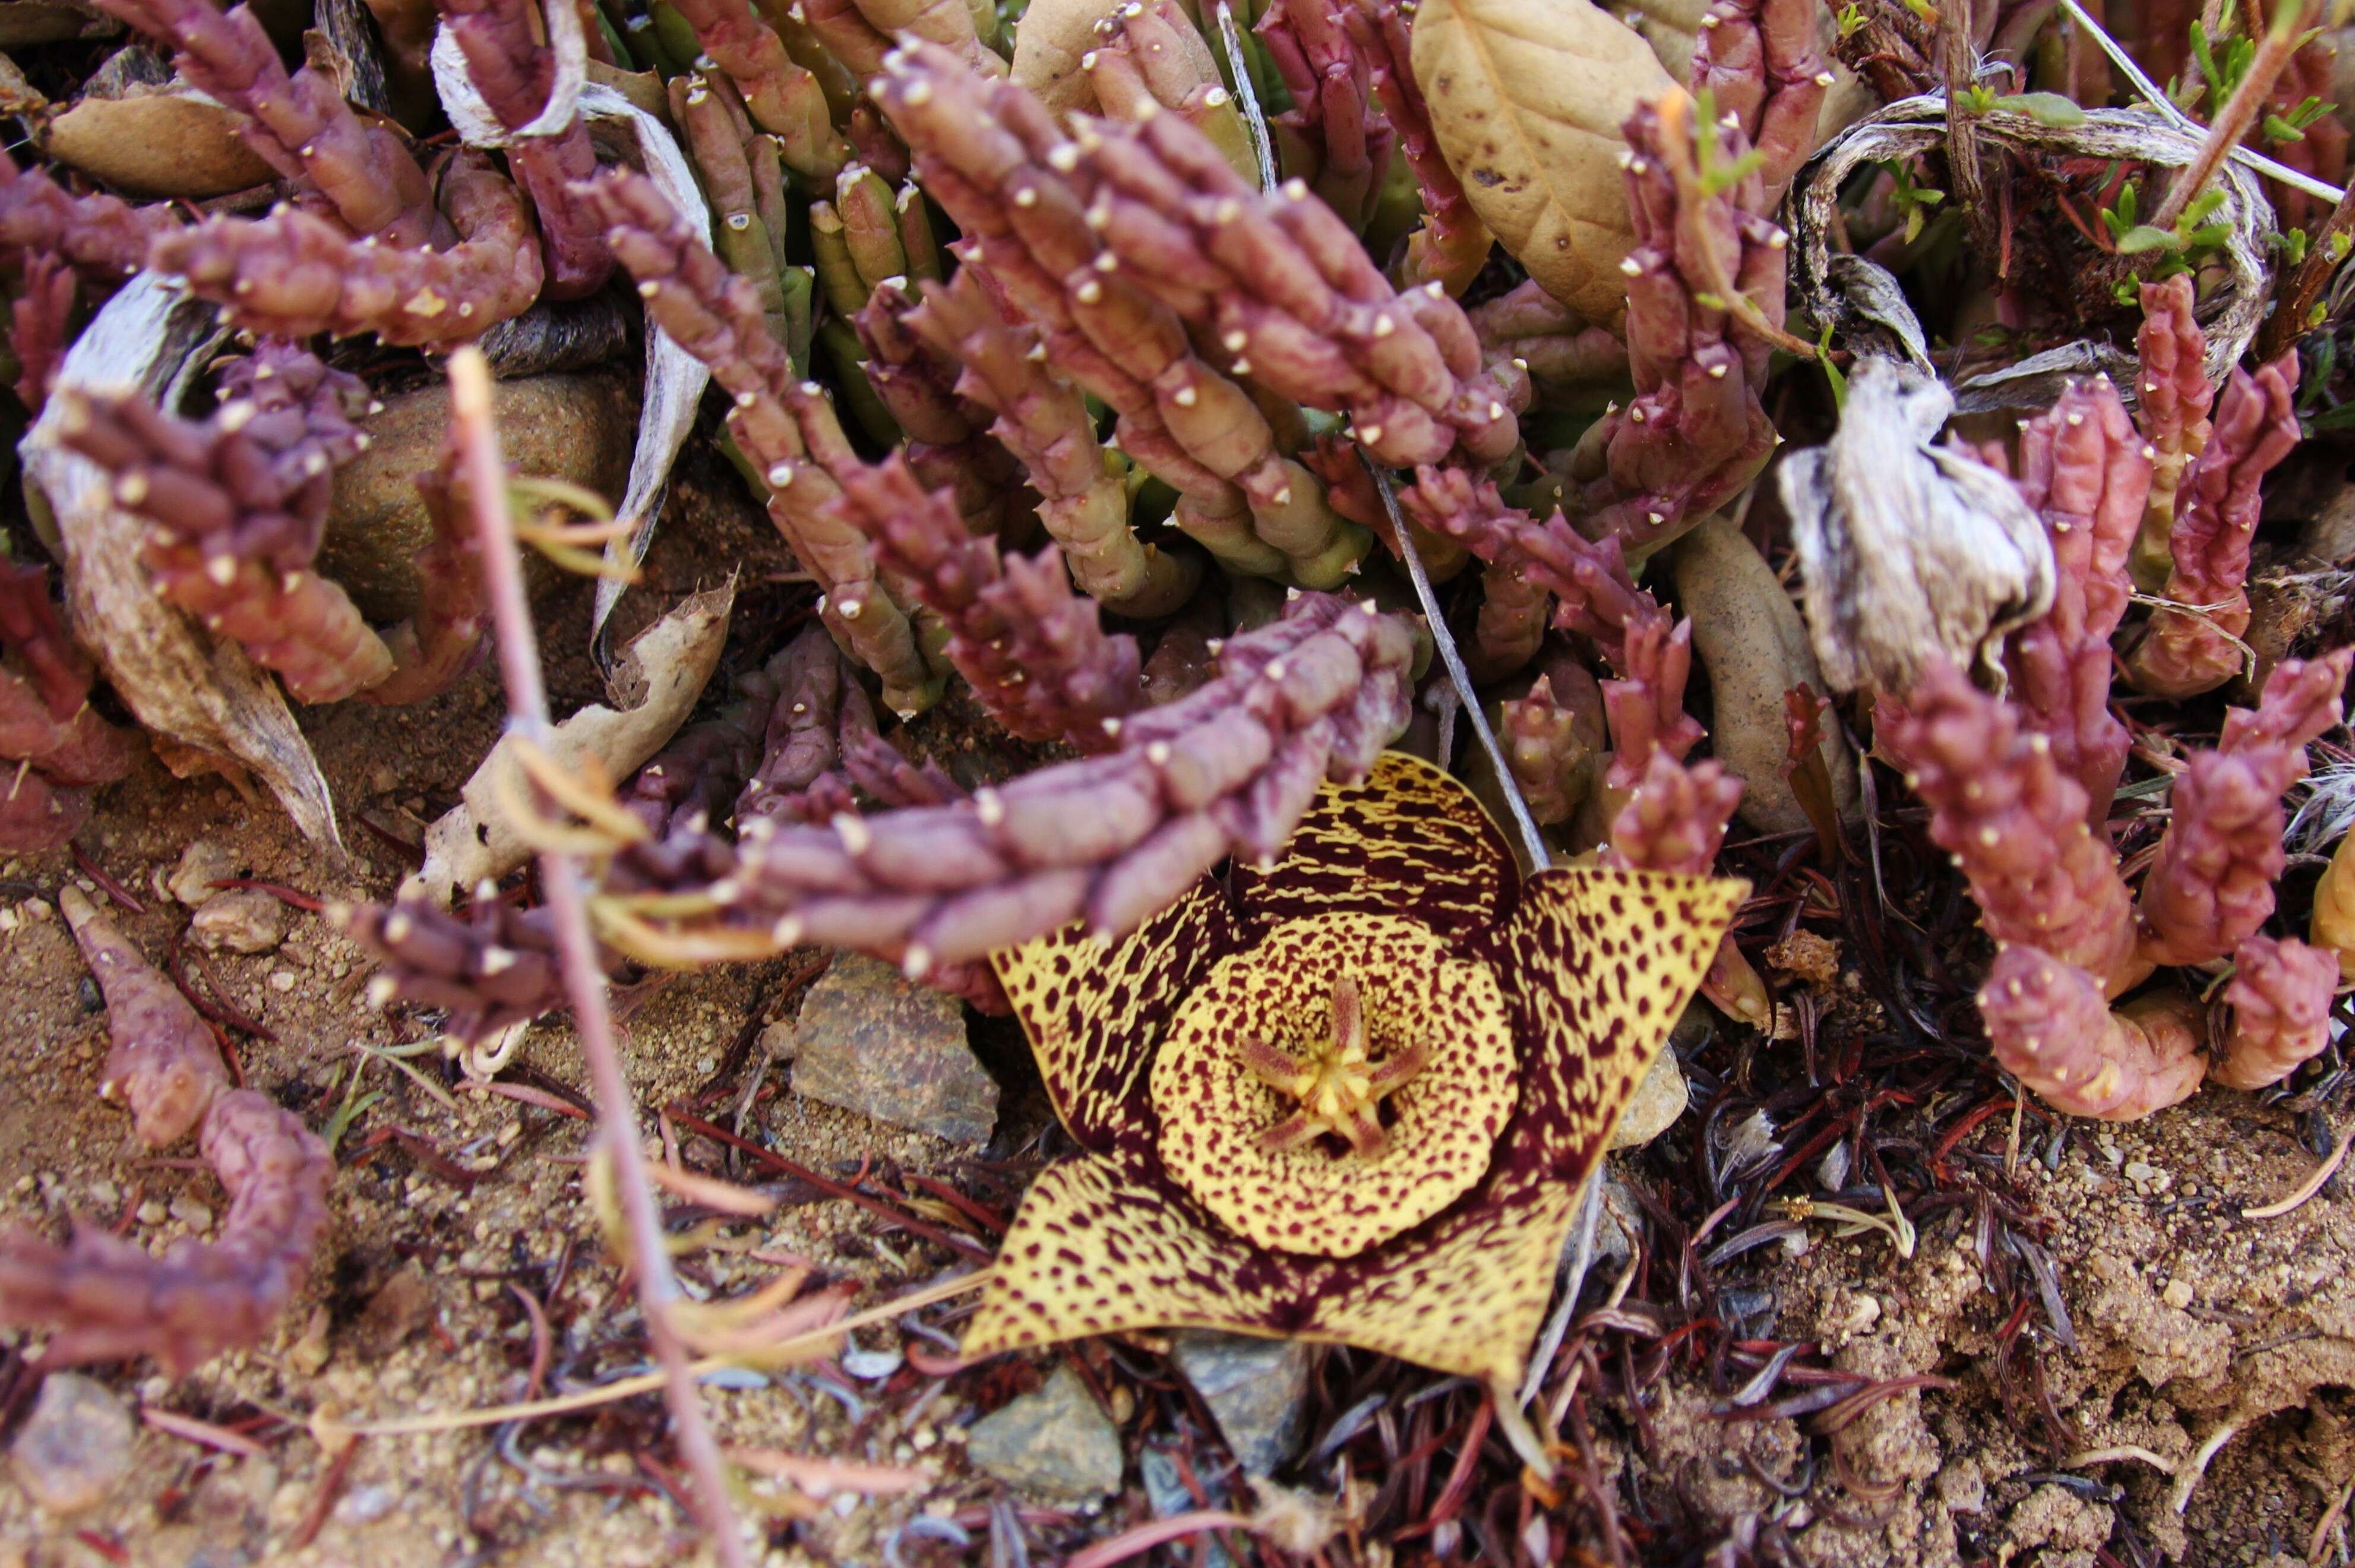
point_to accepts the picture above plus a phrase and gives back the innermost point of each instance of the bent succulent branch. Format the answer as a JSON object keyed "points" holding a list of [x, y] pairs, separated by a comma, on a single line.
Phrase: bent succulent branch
{"points": [[361, 175], [1110, 839], [294, 274], [105, 1298], [783, 425], [237, 505]]}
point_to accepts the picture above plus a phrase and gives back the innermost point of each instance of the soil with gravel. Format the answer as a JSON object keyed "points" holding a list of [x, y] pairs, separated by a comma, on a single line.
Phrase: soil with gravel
{"points": [[2182, 1394]]}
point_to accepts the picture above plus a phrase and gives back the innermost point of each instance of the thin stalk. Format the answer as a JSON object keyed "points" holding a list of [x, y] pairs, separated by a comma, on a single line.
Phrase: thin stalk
{"points": [[2241, 112], [2151, 94], [1238, 63], [1965, 155], [584, 979], [1532, 841]]}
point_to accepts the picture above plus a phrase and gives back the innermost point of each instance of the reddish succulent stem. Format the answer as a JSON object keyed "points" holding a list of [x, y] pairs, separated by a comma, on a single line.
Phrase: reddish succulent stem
{"points": [[1333, 122], [239, 504], [1286, 287], [1676, 818], [493, 967], [41, 321], [2280, 996], [1551, 739], [515, 73], [1705, 301], [1230, 769], [1514, 614], [1150, 58], [2210, 888], [2174, 398], [782, 97], [1453, 245], [784, 425], [103, 239], [2000, 804], [1595, 597], [106, 1299], [1044, 422], [947, 443], [2087, 471], [31, 628], [1034, 653], [444, 641], [1758, 62], [2050, 1027], [991, 155], [295, 274], [2186, 652], [300, 125]]}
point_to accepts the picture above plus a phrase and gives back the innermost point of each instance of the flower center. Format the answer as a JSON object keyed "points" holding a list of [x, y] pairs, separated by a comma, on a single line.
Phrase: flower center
{"points": [[1338, 1083]]}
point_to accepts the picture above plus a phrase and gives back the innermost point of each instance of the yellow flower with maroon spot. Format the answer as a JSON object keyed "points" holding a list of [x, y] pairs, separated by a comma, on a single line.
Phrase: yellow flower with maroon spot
{"points": [[1351, 1097]]}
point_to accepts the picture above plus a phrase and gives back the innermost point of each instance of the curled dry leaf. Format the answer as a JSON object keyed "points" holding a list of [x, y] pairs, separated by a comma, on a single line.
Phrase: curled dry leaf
{"points": [[1866, 308], [627, 133], [207, 704], [1911, 551], [1527, 97], [1749, 638], [654, 687]]}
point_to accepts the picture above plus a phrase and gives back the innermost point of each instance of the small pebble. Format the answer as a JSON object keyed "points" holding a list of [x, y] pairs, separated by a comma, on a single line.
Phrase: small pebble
{"points": [[152, 1213], [244, 920], [75, 1447], [200, 865], [188, 1211]]}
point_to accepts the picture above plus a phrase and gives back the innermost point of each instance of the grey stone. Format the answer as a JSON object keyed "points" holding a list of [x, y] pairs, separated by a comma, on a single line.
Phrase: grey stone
{"points": [[1622, 1220], [75, 1446], [574, 428], [871, 1041], [1257, 1388], [242, 919], [1056, 1444]]}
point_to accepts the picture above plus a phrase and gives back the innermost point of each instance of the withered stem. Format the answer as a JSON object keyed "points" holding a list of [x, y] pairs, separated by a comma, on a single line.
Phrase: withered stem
{"points": [[584, 977], [2157, 100], [2233, 121], [1966, 155]]}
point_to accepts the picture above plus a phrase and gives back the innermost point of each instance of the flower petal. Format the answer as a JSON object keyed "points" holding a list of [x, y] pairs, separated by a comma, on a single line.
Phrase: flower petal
{"points": [[1094, 1012], [1464, 1293], [1101, 1246], [1597, 965], [1410, 840]]}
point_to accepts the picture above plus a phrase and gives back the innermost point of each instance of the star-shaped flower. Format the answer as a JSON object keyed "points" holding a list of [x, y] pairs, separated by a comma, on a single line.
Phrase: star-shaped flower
{"points": [[1352, 1097]]}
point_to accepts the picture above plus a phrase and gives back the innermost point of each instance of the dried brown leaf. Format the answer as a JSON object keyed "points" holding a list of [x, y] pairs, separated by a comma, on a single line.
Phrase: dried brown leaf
{"points": [[1527, 97]]}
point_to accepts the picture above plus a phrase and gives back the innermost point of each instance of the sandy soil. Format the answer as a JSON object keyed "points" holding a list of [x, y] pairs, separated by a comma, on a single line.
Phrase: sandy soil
{"points": [[2191, 1324]]}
